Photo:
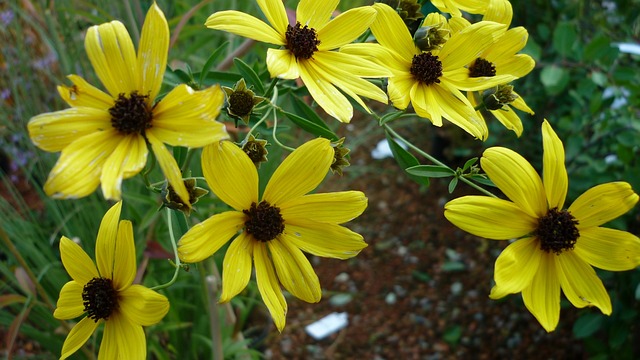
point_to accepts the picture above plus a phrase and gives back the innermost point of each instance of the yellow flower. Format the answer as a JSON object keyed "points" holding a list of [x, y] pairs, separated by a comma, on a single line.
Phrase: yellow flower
{"points": [[556, 247], [106, 295], [432, 80], [104, 137], [307, 52], [499, 102], [492, 10], [276, 228]]}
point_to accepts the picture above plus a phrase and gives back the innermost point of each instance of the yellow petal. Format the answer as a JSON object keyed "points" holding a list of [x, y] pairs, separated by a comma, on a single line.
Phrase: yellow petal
{"points": [[106, 241], [169, 167], [187, 118], [518, 65], [322, 239], [335, 207], [391, 32], [425, 104], [488, 217], [83, 94], [128, 158], [122, 339], [268, 285], [152, 52], [346, 27], [460, 79], [205, 238], [244, 25], [355, 65], [236, 267], [77, 263], [70, 304], [458, 112], [509, 119], [608, 249], [294, 271], [142, 306], [516, 178], [276, 14], [464, 47], [56, 130], [379, 55], [230, 174], [399, 90], [554, 173], [521, 105], [499, 11], [314, 13], [301, 172], [542, 297], [603, 203], [77, 337], [580, 283], [515, 267], [124, 262], [282, 64], [77, 172], [113, 57], [325, 94]]}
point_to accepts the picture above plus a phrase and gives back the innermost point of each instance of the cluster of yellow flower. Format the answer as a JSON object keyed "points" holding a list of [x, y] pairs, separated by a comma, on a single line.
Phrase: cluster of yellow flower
{"points": [[449, 69]]}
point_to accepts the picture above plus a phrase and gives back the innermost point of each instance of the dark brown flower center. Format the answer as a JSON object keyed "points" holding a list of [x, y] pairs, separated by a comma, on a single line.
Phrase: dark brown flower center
{"points": [[241, 103], [426, 68], [264, 221], [301, 41], [557, 231], [131, 114], [481, 67], [99, 298]]}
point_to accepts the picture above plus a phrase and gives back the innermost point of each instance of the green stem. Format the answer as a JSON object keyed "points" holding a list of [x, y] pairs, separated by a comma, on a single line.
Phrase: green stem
{"points": [[175, 252], [275, 138], [435, 161], [187, 161], [272, 86]]}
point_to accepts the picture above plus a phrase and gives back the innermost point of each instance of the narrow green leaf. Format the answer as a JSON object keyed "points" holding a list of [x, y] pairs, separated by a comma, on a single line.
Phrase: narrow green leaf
{"points": [[211, 60], [469, 163], [310, 126], [480, 179], [302, 108], [453, 184], [405, 160], [247, 72], [390, 117], [587, 325], [430, 171]]}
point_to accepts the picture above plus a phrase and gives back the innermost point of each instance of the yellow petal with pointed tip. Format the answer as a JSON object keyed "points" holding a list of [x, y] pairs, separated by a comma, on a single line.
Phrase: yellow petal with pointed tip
{"points": [[244, 25], [542, 297], [314, 13], [335, 207], [78, 336], [499, 11], [113, 57], [325, 93], [603, 203], [77, 263], [106, 241], [399, 90], [187, 118], [516, 267], [70, 304], [128, 158], [294, 271], [516, 178], [301, 172], [458, 112], [56, 130], [152, 52], [554, 173], [276, 14], [236, 267], [465, 46], [488, 217], [391, 32], [608, 249], [83, 94], [142, 306], [169, 167], [322, 239], [231, 175], [122, 339], [509, 119], [346, 27], [268, 285], [124, 265], [580, 283], [207, 237], [77, 172]]}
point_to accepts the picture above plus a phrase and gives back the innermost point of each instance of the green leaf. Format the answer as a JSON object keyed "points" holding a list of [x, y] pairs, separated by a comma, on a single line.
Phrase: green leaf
{"points": [[390, 117], [430, 171], [480, 179], [250, 76], [554, 79], [310, 126], [452, 334], [405, 160], [211, 60], [453, 184], [469, 163], [565, 38], [307, 111], [223, 78], [587, 325]]}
